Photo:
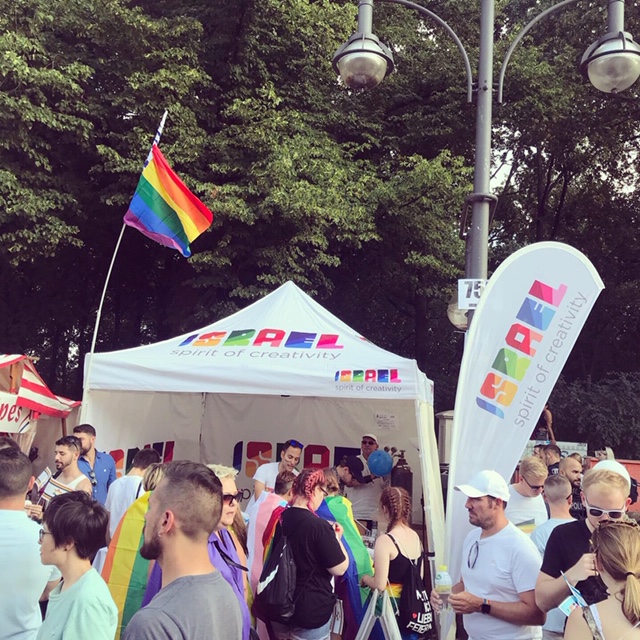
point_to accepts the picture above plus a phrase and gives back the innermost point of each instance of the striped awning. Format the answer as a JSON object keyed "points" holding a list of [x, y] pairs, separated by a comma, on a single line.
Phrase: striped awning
{"points": [[18, 375]]}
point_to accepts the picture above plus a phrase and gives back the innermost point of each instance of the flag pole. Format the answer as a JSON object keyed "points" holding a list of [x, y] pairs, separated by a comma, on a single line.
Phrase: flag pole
{"points": [[85, 386]]}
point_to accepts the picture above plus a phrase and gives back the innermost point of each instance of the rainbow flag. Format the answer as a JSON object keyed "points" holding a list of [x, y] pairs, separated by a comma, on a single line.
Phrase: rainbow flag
{"points": [[125, 571], [163, 209]]}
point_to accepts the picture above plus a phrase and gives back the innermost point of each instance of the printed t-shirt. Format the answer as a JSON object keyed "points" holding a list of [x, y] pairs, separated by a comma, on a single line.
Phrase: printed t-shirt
{"points": [[201, 607], [315, 549], [506, 565], [524, 511], [566, 545]]}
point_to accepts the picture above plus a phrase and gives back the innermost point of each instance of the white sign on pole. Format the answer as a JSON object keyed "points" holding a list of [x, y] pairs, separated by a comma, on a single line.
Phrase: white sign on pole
{"points": [[469, 292]]}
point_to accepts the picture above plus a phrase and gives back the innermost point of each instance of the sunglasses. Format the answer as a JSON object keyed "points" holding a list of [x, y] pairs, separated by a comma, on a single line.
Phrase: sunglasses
{"points": [[71, 441], [535, 487], [369, 442], [42, 533], [614, 514], [297, 444], [326, 493], [229, 498], [472, 558], [92, 477]]}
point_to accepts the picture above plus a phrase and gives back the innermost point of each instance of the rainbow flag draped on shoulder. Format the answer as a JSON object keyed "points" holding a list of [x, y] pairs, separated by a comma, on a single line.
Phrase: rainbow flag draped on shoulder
{"points": [[125, 571], [164, 209]]}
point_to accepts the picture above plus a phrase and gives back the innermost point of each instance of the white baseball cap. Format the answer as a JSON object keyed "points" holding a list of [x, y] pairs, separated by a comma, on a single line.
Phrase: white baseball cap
{"points": [[370, 435], [616, 467], [486, 483]]}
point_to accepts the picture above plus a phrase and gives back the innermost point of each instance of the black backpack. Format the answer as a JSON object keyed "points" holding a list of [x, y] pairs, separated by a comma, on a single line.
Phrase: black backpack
{"points": [[415, 614], [274, 599]]}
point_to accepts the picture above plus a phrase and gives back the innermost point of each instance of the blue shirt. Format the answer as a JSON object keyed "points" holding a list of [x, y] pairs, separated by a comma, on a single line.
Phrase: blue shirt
{"points": [[105, 474]]}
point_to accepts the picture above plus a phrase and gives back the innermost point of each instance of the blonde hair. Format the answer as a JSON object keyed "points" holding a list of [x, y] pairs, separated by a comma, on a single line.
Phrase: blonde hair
{"points": [[532, 465], [222, 471], [617, 548], [605, 478], [152, 476]]}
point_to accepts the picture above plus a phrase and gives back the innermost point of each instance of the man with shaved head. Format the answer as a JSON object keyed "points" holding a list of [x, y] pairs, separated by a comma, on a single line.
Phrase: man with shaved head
{"points": [[571, 469], [195, 602]]}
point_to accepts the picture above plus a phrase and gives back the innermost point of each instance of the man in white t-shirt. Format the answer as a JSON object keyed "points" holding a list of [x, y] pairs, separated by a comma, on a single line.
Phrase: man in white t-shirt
{"points": [[365, 494], [557, 494], [265, 476], [126, 490], [496, 594], [25, 580], [526, 508]]}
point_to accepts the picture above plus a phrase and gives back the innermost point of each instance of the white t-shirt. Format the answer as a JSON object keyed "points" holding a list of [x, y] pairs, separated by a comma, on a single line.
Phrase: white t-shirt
{"points": [[122, 494], [540, 536], [506, 565], [365, 499], [525, 512], [267, 474], [24, 577]]}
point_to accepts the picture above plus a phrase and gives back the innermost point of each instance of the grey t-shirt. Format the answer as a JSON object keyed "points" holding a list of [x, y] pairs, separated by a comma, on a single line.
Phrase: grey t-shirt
{"points": [[189, 608]]}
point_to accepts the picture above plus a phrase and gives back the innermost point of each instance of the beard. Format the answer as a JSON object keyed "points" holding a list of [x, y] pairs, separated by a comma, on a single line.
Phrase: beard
{"points": [[61, 466], [151, 549]]}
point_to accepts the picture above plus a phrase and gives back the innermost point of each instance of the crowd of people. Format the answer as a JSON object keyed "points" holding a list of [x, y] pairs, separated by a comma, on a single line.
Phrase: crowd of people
{"points": [[536, 567], [166, 551]]}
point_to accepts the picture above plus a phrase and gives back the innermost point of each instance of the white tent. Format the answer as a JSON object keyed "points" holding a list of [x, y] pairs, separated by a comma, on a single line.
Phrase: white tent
{"points": [[281, 368]]}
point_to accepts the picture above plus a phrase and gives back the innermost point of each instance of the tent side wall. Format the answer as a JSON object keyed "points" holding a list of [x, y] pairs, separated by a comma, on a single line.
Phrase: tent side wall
{"points": [[244, 430]]}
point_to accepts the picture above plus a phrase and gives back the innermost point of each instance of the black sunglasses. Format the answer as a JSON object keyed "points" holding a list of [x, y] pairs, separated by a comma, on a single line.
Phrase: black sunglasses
{"points": [[228, 498], [369, 442], [92, 477], [535, 487], [71, 441]]}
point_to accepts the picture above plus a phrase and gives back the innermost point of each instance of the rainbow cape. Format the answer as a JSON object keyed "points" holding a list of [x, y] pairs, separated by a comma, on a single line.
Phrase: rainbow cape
{"points": [[125, 571], [163, 209]]}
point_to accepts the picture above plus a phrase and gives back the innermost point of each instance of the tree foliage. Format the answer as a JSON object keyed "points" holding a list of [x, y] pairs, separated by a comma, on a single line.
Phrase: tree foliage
{"points": [[354, 196]]}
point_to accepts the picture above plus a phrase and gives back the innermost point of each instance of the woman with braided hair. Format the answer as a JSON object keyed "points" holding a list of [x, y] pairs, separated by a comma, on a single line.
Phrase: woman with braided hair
{"points": [[396, 549], [616, 546], [318, 553]]}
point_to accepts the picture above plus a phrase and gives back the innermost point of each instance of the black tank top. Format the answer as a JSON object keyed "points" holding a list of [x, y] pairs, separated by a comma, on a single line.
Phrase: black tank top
{"points": [[399, 566]]}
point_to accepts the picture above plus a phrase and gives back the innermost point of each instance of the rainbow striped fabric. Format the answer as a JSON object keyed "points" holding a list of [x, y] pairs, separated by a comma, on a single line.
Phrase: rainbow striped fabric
{"points": [[164, 210], [125, 571]]}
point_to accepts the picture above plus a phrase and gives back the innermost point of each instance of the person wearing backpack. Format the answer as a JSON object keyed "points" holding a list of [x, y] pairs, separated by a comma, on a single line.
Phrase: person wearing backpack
{"points": [[397, 563], [318, 555]]}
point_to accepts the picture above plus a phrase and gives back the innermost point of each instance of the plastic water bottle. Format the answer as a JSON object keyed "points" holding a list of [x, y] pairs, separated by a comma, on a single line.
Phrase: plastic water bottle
{"points": [[443, 585]]}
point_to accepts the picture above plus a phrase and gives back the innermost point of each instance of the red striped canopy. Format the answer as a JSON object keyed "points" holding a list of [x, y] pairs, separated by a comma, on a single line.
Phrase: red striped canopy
{"points": [[18, 375]]}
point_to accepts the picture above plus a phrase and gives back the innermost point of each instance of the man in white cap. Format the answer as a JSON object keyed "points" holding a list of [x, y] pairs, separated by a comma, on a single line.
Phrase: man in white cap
{"points": [[366, 496], [568, 557], [499, 566]]}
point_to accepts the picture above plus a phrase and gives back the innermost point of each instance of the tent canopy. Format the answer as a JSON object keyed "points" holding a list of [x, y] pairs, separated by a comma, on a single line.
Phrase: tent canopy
{"points": [[284, 344], [281, 368], [19, 378]]}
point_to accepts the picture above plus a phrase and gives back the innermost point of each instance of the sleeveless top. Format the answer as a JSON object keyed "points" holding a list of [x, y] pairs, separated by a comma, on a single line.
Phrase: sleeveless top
{"points": [[74, 483], [398, 570]]}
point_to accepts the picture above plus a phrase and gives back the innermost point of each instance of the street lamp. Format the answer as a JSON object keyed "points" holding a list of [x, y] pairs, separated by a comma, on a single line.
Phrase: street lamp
{"points": [[612, 64]]}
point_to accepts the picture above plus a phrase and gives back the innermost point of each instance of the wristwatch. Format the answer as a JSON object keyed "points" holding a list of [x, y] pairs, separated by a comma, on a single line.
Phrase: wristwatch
{"points": [[485, 607]]}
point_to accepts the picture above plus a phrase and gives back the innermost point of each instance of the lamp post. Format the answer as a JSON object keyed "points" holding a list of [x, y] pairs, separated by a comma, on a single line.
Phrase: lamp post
{"points": [[612, 64]]}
